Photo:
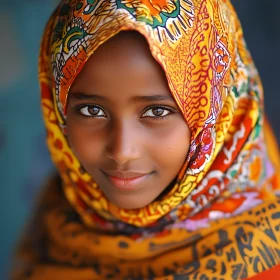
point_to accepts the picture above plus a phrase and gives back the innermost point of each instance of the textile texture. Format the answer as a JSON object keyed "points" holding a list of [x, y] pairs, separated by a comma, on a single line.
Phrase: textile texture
{"points": [[221, 219]]}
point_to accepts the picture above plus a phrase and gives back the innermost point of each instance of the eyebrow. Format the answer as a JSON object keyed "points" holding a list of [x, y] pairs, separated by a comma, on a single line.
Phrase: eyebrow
{"points": [[152, 98], [85, 96], [147, 98]]}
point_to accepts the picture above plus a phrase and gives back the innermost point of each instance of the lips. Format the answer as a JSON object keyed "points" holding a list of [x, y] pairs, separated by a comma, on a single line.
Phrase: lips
{"points": [[126, 181]]}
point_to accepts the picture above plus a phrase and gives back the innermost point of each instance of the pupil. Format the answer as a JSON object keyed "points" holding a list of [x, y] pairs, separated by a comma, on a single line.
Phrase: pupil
{"points": [[93, 110], [158, 111]]}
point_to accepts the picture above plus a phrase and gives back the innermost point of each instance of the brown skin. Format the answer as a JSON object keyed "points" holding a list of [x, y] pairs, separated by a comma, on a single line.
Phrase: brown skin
{"points": [[123, 124]]}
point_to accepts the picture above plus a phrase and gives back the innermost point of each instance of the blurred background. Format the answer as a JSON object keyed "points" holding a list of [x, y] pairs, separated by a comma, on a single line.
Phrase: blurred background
{"points": [[24, 159]]}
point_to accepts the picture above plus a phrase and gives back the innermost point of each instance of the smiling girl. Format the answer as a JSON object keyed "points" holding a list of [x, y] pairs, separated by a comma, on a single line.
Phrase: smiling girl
{"points": [[123, 124], [167, 166]]}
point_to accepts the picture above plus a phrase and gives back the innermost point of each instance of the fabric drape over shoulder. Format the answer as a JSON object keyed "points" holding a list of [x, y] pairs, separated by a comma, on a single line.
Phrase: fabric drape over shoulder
{"points": [[221, 219]]}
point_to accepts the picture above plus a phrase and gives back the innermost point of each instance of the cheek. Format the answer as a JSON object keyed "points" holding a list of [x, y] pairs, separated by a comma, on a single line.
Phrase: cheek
{"points": [[171, 148], [86, 145]]}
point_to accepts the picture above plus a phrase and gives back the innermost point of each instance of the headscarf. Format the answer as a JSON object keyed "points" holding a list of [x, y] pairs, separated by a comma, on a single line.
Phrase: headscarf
{"points": [[220, 220]]}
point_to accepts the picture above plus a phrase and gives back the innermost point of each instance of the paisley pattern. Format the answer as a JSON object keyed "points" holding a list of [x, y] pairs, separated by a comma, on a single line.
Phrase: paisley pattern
{"points": [[170, 18], [225, 194]]}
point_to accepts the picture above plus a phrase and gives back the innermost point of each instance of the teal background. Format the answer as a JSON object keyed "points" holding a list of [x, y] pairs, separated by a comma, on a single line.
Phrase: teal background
{"points": [[24, 159]]}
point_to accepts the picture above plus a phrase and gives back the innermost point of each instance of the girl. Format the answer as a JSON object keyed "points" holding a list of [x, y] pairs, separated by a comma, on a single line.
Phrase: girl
{"points": [[167, 166]]}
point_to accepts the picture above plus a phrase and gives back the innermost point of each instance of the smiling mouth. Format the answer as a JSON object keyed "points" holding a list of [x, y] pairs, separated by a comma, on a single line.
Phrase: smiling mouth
{"points": [[126, 181]]}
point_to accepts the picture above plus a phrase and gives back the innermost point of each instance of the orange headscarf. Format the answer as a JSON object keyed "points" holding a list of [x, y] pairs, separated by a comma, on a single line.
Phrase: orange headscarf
{"points": [[221, 218]]}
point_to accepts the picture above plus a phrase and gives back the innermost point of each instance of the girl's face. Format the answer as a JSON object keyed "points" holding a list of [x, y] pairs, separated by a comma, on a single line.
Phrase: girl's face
{"points": [[123, 124]]}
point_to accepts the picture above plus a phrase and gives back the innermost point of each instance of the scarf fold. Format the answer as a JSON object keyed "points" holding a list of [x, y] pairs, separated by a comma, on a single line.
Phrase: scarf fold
{"points": [[220, 220]]}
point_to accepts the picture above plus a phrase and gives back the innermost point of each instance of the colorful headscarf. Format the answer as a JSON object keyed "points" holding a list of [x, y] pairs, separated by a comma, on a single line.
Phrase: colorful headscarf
{"points": [[221, 219]]}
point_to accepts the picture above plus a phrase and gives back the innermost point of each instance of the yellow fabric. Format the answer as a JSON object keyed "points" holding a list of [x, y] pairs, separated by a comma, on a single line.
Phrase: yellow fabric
{"points": [[221, 218]]}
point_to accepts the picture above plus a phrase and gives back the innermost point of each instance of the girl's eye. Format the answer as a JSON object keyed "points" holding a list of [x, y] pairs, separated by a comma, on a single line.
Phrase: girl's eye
{"points": [[92, 111], [157, 112]]}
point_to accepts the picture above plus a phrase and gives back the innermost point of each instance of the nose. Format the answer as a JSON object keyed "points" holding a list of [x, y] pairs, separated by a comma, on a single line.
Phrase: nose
{"points": [[123, 142]]}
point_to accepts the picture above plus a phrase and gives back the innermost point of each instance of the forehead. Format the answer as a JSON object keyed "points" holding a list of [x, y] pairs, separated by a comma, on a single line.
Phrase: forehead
{"points": [[123, 64], [126, 45]]}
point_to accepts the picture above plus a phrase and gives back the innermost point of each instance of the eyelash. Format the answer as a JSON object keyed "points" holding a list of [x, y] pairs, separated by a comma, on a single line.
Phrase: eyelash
{"points": [[80, 107], [170, 109], [171, 112]]}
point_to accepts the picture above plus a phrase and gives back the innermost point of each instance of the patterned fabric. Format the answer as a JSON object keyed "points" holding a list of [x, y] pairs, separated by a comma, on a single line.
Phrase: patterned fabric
{"points": [[221, 218]]}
